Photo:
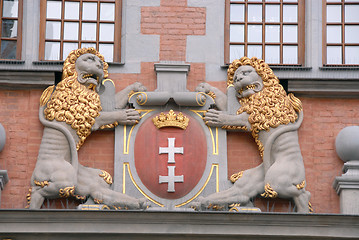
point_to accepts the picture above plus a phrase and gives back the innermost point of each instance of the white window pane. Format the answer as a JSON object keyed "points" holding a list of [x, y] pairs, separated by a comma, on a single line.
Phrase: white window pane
{"points": [[89, 11], [351, 13], [237, 12], [107, 11], [89, 31], [53, 9], [334, 13], [10, 8], [236, 52], [272, 33], [254, 13], [290, 54], [352, 34], [236, 33], [334, 55], [53, 30], [88, 45], [237, 1], [107, 51], [107, 32], [290, 13], [52, 51], [290, 34], [334, 34], [290, 0], [272, 13], [254, 51], [68, 47], [9, 28], [254, 33], [272, 54], [71, 31], [72, 10], [352, 55], [272, 0], [333, 0]]}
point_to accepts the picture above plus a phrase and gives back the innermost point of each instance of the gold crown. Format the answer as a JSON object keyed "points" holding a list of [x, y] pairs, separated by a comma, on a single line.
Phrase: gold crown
{"points": [[171, 120]]}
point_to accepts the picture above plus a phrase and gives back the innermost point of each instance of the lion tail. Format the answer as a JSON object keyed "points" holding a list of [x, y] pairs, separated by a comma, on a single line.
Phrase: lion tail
{"points": [[46, 94], [295, 102]]}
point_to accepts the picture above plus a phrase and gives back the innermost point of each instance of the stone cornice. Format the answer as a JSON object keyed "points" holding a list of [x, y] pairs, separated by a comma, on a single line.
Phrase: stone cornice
{"points": [[59, 224]]}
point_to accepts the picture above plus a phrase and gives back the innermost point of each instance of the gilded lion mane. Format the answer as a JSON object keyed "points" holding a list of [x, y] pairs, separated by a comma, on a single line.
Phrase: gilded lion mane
{"points": [[270, 107], [71, 102]]}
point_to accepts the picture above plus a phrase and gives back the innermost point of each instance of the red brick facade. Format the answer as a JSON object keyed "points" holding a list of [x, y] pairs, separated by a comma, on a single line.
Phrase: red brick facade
{"points": [[173, 20]]}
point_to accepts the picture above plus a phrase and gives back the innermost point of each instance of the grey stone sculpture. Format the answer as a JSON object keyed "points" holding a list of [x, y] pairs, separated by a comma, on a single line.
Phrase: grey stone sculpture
{"points": [[273, 117], [69, 112]]}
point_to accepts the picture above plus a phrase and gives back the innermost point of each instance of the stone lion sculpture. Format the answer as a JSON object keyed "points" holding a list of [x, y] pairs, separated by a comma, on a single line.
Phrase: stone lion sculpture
{"points": [[70, 112], [273, 118]]}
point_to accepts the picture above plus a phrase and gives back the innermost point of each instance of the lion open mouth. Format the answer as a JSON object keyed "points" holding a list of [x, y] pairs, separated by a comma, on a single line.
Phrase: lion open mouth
{"points": [[251, 86], [91, 79]]}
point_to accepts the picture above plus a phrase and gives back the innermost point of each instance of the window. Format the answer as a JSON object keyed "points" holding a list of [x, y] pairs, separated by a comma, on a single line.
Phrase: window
{"points": [[11, 22], [341, 32], [72, 24], [272, 30]]}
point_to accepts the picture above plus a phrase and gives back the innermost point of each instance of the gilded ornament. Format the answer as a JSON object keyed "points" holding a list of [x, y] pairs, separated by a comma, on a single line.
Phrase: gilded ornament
{"points": [[67, 192], [269, 192], [236, 176], [300, 185], [227, 127], [41, 184], [211, 94], [98, 201], [171, 119], [234, 207], [106, 176]]}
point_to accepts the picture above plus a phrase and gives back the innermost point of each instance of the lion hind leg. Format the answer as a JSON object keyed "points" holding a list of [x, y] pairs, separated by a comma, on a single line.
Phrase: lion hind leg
{"points": [[249, 185]]}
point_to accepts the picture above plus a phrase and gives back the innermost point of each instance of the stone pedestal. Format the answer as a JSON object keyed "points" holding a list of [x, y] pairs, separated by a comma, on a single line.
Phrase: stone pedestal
{"points": [[347, 185], [172, 76], [3, 180]]}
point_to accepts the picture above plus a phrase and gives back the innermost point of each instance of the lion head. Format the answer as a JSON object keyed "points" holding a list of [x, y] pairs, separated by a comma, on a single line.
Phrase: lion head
{"points": [[75, 100], [261, 96]]}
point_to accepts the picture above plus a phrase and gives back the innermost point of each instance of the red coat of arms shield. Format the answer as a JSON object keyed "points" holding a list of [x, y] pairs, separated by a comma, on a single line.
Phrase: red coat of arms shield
{"points": [[170, 161]]}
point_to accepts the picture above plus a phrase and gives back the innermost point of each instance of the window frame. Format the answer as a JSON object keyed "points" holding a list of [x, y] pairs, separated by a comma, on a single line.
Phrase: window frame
{"points": [[342, 24], [300, 23], [117, 28], [19, 29]]}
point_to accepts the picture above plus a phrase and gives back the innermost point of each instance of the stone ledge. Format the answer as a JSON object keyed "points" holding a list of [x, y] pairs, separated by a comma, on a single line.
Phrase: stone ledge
{"points": [[325, 88], [75, 224], [26, 79]]}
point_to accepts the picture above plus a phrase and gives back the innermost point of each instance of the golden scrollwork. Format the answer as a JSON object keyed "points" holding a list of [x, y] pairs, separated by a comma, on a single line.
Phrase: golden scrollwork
{"points": [[233, 207], [300, 185], [98, 201], [215, 207], [41, 184], [67, 192], [227, 127], [113, 125], [269, 192], [236, 176], [106, 176], [211, 94], [311, 209], [28, 198], [171, 119], [141, 98], [200, 99]]}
